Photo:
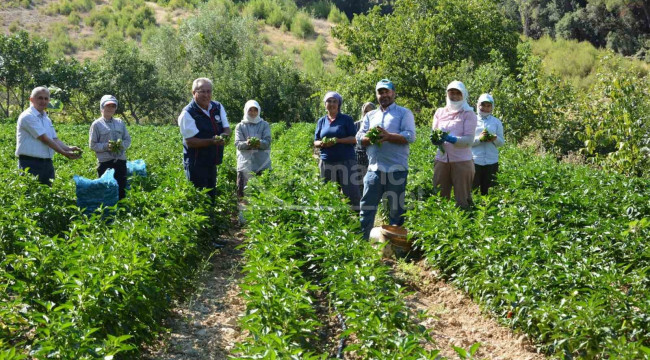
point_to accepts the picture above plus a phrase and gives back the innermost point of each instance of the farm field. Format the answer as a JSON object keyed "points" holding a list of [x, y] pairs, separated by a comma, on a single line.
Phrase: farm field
{"points": [[557, 251]]}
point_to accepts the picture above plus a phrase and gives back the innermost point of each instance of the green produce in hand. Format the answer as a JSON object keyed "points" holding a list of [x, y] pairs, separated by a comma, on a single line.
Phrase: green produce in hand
{"points": [[254, 142], [374, 135], [436, 139], [328, 140], [222, 137], [486, 136], [115, 146]]}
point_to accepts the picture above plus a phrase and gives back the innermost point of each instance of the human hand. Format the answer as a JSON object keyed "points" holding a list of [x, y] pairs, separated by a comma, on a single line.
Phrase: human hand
{"points": [[449, 138], [327, 142], [253, 142], [72, 154]]}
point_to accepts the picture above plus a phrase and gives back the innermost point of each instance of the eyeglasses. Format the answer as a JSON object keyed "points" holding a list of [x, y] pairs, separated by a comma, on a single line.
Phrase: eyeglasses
{"points": [[204, 91], [330, 101]]}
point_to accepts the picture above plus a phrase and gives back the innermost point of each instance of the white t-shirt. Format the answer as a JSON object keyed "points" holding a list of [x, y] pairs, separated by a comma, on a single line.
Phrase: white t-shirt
{"points": [[188, 126]]}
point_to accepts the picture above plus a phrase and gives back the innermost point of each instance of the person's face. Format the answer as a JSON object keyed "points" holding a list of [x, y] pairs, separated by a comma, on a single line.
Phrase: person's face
{"points": [[367, 109], [253, 112], [455, 95], [109, 110], [485, 107], [385, 97], [203, 95], [332, 105], [40, 100]]}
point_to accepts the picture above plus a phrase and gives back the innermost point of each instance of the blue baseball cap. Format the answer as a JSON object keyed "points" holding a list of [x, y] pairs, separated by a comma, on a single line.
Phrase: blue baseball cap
{"points": [[385, 84]]}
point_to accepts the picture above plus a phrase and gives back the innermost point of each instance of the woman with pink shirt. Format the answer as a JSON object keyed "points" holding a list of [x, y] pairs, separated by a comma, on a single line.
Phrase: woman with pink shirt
{"points": [[454, 166]]}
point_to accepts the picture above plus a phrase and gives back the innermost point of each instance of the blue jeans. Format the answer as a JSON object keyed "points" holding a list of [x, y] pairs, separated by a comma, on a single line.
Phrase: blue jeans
{"points": [[376, 185]]}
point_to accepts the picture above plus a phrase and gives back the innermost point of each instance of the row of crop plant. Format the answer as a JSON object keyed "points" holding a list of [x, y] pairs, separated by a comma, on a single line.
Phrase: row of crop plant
{"points": [[304, 252], [84, 287], [556, 250]]}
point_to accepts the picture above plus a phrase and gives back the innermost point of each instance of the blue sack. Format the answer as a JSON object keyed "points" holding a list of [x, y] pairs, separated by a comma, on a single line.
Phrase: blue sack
{"points": [[136, 167], [91, 194]]}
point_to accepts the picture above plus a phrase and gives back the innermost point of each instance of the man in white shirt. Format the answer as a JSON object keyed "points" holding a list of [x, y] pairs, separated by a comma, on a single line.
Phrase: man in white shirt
{"points": [[36, 139], [200, 121]]}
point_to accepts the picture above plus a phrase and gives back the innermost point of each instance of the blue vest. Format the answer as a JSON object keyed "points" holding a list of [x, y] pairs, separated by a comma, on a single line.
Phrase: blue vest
{"points": [[208, 127]]}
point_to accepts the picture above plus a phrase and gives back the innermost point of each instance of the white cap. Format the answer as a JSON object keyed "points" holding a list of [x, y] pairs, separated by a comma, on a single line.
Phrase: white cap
{"points": [[485, 98], [107, 99]]}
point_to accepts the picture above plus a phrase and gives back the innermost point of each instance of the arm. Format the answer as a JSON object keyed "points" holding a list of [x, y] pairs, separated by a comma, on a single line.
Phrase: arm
{"points": [[59, 146], [241, 143], [351, 131], [406, 133], [126, 137], [196, 143], [500, 139], [189, 130], [265, 141], [469, 129], [94, 139], [361, 134], [317, 137]]}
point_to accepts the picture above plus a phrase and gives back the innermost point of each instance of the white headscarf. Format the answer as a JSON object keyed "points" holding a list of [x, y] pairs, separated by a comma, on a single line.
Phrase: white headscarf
{"points": [[481, 99], [458, 105], [247, 119]]}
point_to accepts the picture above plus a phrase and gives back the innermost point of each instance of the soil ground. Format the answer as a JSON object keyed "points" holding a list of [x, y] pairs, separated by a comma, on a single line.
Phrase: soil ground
{"points": [[206, 327]]}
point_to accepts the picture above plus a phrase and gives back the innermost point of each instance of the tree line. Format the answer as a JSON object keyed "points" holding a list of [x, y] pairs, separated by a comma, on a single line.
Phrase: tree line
{"points": [[606, 123]]}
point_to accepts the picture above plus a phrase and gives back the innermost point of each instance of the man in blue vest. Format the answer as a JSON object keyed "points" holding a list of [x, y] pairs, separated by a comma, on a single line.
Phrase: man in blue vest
{"points": [[200, 121]]}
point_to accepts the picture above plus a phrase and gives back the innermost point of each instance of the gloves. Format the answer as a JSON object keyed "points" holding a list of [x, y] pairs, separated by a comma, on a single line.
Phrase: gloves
{"points": [[449, 138]]}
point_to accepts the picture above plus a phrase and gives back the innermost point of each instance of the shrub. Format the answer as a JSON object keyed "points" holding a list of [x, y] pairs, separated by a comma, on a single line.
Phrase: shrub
{"points": [[312, 61], [302, 25], [337, 16], [320, 9]]}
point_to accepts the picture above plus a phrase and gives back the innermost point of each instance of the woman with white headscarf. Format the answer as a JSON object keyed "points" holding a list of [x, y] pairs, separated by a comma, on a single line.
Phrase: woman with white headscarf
{"points": [[335, 136], [454, 166], [487, 140], [253, 143]]}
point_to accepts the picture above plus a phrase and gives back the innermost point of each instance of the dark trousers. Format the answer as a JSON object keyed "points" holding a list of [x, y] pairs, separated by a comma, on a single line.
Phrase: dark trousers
{"points": [[42, 168], [120, 173], [344, 173], [203, 177], [485, 177]]}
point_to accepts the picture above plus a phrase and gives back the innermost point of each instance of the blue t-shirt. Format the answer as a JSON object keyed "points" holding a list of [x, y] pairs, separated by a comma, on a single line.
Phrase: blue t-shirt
{"points": [[341, 127]]}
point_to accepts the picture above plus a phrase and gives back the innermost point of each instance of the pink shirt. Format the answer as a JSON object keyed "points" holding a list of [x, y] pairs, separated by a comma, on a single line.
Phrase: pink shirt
{"points": [[461, 124]]}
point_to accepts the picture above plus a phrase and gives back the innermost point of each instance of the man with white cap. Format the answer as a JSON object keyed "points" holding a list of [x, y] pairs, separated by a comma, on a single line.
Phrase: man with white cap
{"points": [[453, 163], [199, 122], [487, 140], [387, 156], [36, 139], [109, 139]]}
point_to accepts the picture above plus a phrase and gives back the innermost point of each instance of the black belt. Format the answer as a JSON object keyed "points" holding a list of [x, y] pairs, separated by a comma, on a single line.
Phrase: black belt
{"points": [[31, 158]]}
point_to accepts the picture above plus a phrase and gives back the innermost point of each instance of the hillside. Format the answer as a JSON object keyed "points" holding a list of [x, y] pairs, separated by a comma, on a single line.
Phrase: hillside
{"points": [[80, 40]]}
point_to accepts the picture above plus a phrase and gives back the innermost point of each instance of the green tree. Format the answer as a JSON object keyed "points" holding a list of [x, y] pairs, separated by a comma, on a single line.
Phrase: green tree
{"points": [[74, 81], [439, 34], [124, 73], [21, 60]]}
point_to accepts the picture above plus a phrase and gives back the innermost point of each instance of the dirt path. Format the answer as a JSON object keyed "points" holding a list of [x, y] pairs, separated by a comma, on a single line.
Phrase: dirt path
{"points": [[206, 327], [455, 320]]}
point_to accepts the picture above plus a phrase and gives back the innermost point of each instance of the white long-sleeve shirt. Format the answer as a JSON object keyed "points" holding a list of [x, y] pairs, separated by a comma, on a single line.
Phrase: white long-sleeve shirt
{"points": [[487, 153]]}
